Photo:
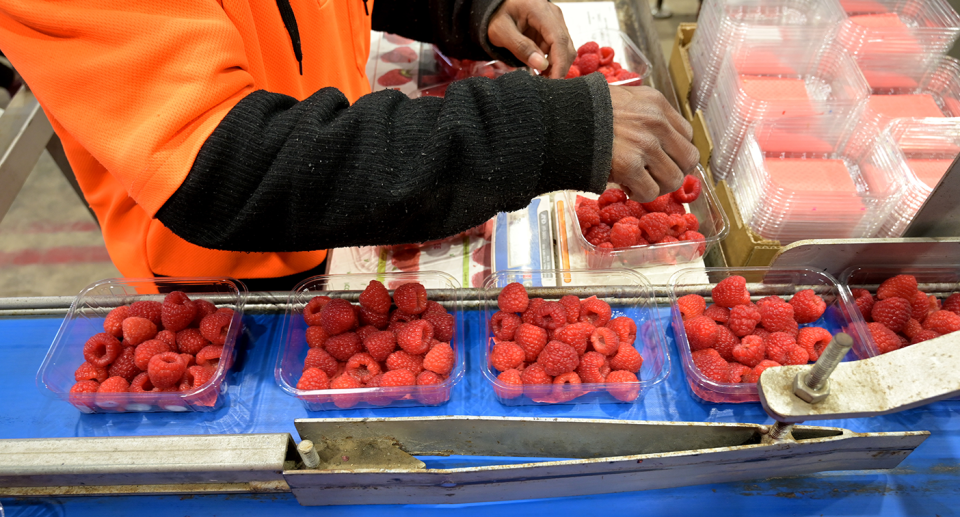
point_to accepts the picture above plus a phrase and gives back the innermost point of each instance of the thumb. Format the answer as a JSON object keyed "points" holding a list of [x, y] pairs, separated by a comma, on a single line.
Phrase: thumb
{"points": [[503, 32]]}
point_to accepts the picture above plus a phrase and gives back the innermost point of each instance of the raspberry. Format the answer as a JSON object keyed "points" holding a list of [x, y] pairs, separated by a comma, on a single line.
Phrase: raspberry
{"points": [[677, 226], [428, 378], [380, 344], [146, 350], [124, 366], [750, 351], [591, 47], [550, 315], [440, 359], [188, 359], [710, 364], [141, 384], [615, 387], [777, 317], [657, 205], [506, 355], [88, 372], [376, 298], [101, 349], [754, 376], [316, 337], [924, 335], [625, 328], [343, 346], [691, 306], [595, 203], [885, 339], [719, 314], [190, 341], [796, 355], [689, 191], [362, 366], [595, 311], [598, 234], [431, 396], [166, 369], [624, 235], [589, 63], [900, 286], [399, 318], [112, 324], [197, 376], [952, 303], [731, 291], [204, 309], [655, 226], [395, 378], [311, 313], [674, 208], [726, 342], [778, 344], [864, 302], [85, 386], [636, 209], [114, 385], [319, 358], [814, 340], [571, 305], [535, 374], [533, 338], [606, 246], [761, 332], [512, 385], [604, 340], [627, 358], [504, 325], [136, 330], [807, 306], [566, 387], [433, 308], [943, 322], [345, 400], [923, 305], [337, 317], [214, 328], [209, 356], [513, 298], [415, 337], [613, 213], [744, 319], [443, 325], [169, 337], [410, 298], [401, 360], [152, 311], [557, 358], [588, 215], [693, 224], [313, 379], [892, 312], [593, 367], [667, 239], [178, 311], [911, 328], [736, 372], [701, 333]]}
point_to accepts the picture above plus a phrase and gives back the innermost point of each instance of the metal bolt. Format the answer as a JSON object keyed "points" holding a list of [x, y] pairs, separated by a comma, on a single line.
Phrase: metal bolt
{"points": [[828, 361], [779, 430], [309, 454]]}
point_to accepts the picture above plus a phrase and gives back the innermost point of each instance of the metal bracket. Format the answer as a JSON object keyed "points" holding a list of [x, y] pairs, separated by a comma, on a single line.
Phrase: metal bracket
{"points": [[24, 133]]}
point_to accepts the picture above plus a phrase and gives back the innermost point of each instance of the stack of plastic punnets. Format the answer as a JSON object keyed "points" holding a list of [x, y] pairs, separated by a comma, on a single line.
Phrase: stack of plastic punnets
{"points": [[795, 81], [886, 27], [796, 178], [726, 24], [926, 148]]}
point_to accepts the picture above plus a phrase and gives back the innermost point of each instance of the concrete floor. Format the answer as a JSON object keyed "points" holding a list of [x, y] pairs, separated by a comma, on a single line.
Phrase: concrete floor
{"points": [[50, 244]]}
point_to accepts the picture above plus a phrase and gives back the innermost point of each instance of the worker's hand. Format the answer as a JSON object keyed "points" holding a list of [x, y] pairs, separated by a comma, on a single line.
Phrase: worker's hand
{"points": [[651, 143], [534, 31]]}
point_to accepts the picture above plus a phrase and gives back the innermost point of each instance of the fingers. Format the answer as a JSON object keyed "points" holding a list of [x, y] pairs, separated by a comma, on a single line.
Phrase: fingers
{"points": [[629, 170], [553, 30], [684, 154], [503, 32], [664, 171], [534, 32]]}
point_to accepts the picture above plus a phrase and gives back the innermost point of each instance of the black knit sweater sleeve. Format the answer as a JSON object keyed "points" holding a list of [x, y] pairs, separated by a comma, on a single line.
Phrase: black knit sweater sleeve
{"points": [[282, 175]]}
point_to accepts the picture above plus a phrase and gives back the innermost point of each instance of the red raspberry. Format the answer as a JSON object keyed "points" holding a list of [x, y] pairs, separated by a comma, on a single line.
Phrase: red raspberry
{"points": [[731, 291], [667, 240], [510, 385], [604, 340], [431, 396], [311, 313], [376, 298], [319, 358], [571, 305], [209, 356], [343, 346], [594, 367], [204, 309], [589, 63], [885, 339], [566, 387], [701, 333], [636, 209], [607, 246], [625, 328], [595, 203], [719, 314], [598, 234], [362, 366], [710, 364], [136, 330], [506, 355], [112, 324], [189, 359], [751, 351], [692, 236], [557, 358], [807, 306], [399, 318], [613, 213], [754, 376], [504, 325], [777, 317], [627, 358], [744, 319], [396, 378], [374, 319], [595, 311], [316, 337], [214, 328], [150, 310], [190, 341], [410, 298], [900, 286], [146, 350], [346, 400], [911, 328], [533, 338], [440, 359], [864, 302], [693, 224], [657, 205], [736, 373], [677, 226], [85, 386], [443, 325], [591, 47], [124, 366], [114, 385], [778, 344], [415, 337], [924, 305], [624, 235], [924, 335], [337, 317], [401, 360], [691, 306], [166, 369], [101, 349], [674, 208], [88, 372], [313, 379], [892, 312], [178, 311], [943, 322], [689, 191], [655, 226], [952, 303], [761, 332], [796, 355], [814, 340], [380, 344], [550, 315], [588, 215], [169, 337], [726, 342], [195, 377], [535, 374], [616, 388], [513, 298]]}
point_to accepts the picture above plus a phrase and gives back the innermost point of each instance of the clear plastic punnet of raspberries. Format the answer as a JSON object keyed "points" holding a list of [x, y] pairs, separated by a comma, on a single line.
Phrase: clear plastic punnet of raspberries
{"points": [[605, 349], [116, 332], [367, 341]]}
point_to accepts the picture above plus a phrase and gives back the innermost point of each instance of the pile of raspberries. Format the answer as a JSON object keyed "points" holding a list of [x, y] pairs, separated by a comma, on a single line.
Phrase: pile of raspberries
{"points": [[734, 340], [561, 344], [148, 346], [591, 57], [615, 222], [371, 346], [901, 315]]}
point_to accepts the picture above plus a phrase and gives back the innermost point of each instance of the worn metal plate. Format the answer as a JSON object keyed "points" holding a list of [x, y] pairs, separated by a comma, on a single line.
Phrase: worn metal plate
{"points": [[835, 255], [940, 214]]}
